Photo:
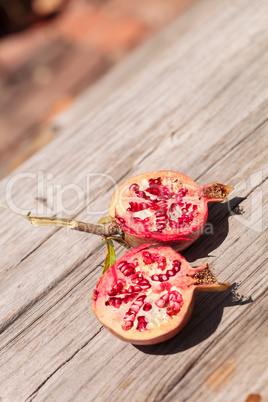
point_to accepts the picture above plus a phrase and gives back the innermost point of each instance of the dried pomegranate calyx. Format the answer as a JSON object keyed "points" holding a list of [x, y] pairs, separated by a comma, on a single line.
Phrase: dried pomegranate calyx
{"points": [[138, 305]]}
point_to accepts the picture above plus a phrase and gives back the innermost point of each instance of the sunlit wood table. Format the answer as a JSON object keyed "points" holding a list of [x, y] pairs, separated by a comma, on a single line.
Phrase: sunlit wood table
{"points": [[196, 102]]}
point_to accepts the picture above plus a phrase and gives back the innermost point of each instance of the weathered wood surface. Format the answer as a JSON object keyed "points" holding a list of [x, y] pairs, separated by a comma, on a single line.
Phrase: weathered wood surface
{"points": [[199, 107]]}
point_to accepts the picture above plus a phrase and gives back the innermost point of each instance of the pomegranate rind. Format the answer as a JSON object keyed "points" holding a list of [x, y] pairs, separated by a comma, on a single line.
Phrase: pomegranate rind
{"points": [[162, 326], [178, 238]]}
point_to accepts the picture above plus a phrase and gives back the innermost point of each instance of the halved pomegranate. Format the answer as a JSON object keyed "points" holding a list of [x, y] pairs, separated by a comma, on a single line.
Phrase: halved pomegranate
{"points": [[147, 296], [164, 207]]}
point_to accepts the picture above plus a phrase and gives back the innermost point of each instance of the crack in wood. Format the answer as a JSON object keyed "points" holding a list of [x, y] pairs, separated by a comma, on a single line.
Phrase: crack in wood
{"points": [[28, 306], [31, 397]]}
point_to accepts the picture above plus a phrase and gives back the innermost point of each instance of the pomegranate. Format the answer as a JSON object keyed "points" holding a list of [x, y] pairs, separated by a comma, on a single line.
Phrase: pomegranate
{"points": [[147, 296], [161, 207], [164, 207]]}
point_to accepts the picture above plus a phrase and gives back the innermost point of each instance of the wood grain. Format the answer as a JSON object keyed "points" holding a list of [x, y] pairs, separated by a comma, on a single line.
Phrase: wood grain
{"points": [[200, 107]]}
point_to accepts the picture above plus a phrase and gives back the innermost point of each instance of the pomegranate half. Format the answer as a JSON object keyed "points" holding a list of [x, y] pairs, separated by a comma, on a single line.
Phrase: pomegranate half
{"points": [[147, 296], [164, 207]]}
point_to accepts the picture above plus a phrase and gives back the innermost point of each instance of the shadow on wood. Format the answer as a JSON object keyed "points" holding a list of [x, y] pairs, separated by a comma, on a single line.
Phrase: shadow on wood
{"points": [[216, 230], [206, 317]]}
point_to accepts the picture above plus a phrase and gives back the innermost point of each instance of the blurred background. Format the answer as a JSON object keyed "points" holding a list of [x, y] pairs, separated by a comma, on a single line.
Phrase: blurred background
{"points": [[52, 50]]}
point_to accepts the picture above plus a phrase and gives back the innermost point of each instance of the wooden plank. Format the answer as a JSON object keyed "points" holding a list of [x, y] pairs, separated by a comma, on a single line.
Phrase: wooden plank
{"points": [[202, 108]]}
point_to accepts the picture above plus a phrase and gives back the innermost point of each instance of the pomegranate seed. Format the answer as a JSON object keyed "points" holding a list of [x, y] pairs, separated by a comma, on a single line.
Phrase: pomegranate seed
{"points": [[162, 262], [147, 307], [129, 298], [134, 187], [173, 207], [114, 301], [147, 258], [173, 296], [163, 278], [195, 207], [137, 219], [141, 298], [170, 272], [176, 266], [141, 194], [128, 271], [144, 284], [155, 278], [153, 206], [143, 205], [142, 323], [117, 302], [162, 302], [172, 224], [128, 325], [121, 264]]}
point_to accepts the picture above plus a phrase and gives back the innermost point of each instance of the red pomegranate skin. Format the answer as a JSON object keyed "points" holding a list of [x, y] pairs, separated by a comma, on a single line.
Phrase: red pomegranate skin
{"points": [[147, 296], [164, 207]]}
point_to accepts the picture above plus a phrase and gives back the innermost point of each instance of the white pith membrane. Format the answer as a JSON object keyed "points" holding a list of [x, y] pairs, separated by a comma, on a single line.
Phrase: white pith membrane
{"points": [[178, 210]]}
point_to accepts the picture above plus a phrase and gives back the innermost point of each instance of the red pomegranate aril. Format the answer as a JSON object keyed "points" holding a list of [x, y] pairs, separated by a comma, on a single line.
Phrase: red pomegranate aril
{"points": [[117, 288], [122, 264], [130, 297], [154, 206], [137, 219], [163, 301], [155, 277], [118, 302], [128, 325], [128, 271], [173, 207], [163, 278], [156, 181], [147, 307], [170, 272], [162, 263], [147, 258], [143, 205], [114, 301], [174, 295], [176, 266], [141, 194], [133, 206], [173, 224], [142, 323], [144, 284], [173, 310], [135, 279], [134, 187]]}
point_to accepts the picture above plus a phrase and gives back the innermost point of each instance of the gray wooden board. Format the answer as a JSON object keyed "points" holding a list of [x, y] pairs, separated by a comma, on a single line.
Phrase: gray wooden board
{"points": [[199, 107]]}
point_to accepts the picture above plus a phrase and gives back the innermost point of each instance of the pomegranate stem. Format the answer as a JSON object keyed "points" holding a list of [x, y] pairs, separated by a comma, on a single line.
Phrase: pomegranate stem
{"points": [[107, 229]]}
